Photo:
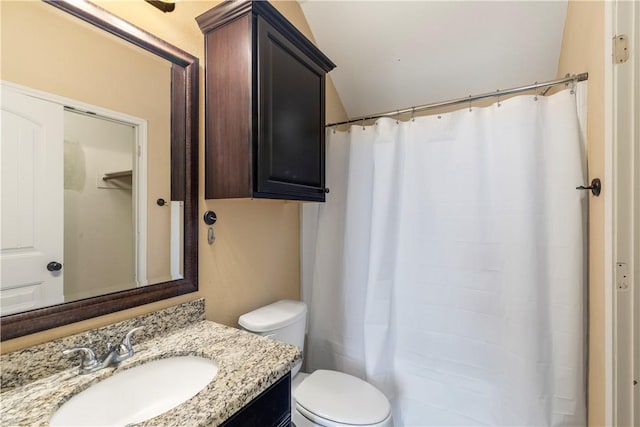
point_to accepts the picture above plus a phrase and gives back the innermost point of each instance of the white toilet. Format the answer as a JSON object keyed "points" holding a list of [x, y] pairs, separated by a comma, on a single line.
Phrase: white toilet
{"points": [[323, 398]]}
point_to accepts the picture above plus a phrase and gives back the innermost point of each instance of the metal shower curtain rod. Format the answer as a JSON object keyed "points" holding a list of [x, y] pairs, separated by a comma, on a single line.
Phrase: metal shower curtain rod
{"points": [[565, 80]]}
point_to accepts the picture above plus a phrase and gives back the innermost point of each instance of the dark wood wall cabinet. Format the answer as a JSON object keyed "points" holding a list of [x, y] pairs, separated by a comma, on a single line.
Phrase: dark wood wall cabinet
{"points": [[264, 105]]}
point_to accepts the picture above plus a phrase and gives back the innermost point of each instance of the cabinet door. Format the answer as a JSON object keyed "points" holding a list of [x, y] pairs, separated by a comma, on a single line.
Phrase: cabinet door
{"points": [[272, 408], [290, 146]]}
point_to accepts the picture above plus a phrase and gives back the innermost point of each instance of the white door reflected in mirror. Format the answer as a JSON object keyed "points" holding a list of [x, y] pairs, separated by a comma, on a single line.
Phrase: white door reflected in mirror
{"points": [[32, 203]]}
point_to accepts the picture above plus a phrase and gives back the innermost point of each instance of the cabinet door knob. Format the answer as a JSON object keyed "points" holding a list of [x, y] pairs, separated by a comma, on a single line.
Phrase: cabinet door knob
{"points": [[54, 266]]}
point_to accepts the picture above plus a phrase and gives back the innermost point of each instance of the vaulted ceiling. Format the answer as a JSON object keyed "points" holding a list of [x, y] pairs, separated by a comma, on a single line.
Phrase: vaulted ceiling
{"points": [[398, 54]]}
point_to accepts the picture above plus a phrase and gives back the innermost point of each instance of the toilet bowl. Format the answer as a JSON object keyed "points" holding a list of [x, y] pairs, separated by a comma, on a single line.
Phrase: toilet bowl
{"points": [[331, 398], [323, 398]]}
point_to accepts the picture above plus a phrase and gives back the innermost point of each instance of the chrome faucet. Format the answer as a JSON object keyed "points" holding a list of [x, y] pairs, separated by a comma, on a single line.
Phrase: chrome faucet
{"points": [[113, 356]]}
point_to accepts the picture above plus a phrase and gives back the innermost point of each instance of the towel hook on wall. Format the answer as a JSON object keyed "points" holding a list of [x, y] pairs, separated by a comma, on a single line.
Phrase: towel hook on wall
{"points": [[210, 218], [595, 187]]}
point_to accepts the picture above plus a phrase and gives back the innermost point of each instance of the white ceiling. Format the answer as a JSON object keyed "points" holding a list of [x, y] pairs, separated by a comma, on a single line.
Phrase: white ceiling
{"points": [[398, 54]]}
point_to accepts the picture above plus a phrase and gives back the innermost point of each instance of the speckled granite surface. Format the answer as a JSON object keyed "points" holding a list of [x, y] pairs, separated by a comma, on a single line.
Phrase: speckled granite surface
{"points": [[40, 361], [248, 364]]}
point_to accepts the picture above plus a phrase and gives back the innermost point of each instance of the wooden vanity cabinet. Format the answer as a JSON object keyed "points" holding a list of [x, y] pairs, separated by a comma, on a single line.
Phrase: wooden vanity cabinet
{"points": [[264, 105], [272, 408]]}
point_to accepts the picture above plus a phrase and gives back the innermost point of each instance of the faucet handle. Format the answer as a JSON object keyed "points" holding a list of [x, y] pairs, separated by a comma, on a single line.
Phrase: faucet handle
{"points": [[89, 359], [126, 341]]}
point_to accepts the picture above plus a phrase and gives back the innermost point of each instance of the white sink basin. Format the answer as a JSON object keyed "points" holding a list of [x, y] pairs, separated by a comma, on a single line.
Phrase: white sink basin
{"points": [[137, 394]]}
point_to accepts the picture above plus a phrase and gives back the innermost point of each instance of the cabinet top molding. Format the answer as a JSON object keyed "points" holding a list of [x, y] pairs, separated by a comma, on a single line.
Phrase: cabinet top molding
{"points": [[231, 10]]}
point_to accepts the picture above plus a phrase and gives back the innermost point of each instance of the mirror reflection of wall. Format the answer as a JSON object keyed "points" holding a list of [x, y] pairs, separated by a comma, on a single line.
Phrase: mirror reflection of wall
{"points": [[52, 52], [98, 206]]}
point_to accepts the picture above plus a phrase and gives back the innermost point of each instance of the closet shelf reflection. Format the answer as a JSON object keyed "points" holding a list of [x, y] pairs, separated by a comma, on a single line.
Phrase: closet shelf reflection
{"points": [[116, 175]]}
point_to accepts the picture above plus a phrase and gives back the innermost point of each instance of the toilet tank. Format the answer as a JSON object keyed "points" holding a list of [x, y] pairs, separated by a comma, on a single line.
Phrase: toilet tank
{"points": [[284, 321]]}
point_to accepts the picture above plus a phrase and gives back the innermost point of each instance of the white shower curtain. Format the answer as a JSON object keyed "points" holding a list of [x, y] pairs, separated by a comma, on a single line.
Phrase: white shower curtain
{"points": [[447, 266]]}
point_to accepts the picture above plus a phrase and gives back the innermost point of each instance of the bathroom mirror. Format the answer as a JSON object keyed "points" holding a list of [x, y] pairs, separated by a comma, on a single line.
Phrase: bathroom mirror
{"points": [[131, 139]]}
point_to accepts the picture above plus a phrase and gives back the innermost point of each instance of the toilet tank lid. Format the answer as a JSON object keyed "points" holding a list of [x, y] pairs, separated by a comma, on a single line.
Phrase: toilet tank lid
{"points": [[273, 316]]}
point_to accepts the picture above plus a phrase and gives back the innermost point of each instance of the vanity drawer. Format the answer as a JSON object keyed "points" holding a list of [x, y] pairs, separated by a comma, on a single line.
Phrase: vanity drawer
{"points": [[271, 408]]}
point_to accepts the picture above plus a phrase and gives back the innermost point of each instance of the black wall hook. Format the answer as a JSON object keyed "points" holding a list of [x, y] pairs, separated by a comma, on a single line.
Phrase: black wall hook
{"points": [[210, 217], [595, 187]]}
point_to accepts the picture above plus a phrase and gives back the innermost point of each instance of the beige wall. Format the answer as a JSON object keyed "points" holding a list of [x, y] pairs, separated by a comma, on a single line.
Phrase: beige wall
{"points": [[583, 50], [255, 258]]}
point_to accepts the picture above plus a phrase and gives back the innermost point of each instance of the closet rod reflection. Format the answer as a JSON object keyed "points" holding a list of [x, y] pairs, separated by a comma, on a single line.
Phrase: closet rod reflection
{"points": [[470, 98]]}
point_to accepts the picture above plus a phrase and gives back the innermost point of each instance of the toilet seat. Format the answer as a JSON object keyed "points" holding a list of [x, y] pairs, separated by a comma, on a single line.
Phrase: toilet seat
{"points": [[332, 398]]}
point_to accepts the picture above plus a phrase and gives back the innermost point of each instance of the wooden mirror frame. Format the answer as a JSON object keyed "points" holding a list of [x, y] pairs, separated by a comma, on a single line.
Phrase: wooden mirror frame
{"points": [[184, 184]]}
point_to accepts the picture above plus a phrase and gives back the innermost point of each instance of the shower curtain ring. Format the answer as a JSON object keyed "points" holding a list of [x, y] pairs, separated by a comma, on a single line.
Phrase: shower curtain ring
{"points": [[363, 124], [413, 114], [469, 103], [397, 116], [498, 92], [535, 98]]}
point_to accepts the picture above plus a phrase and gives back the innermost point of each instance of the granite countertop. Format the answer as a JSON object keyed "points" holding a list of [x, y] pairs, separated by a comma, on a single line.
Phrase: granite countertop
{"points": [[248, 365]]}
